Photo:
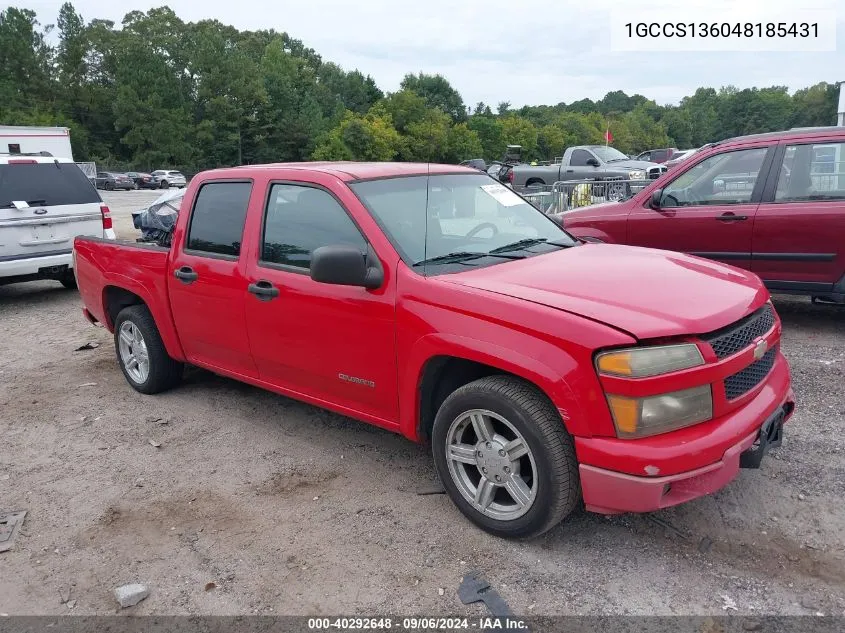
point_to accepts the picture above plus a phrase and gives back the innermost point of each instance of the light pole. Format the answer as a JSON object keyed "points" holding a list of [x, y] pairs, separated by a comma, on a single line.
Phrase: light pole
{"points": [[840, 116]]}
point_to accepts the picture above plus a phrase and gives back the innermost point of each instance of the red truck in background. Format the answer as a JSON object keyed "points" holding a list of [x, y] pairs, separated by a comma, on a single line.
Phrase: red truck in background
{"points": [[435, 302], [773, 204]]}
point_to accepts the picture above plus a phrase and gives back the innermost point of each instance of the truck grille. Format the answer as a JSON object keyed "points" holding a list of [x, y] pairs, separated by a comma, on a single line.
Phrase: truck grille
{"points": [[745, 380], [656, 172], [734, 338]]}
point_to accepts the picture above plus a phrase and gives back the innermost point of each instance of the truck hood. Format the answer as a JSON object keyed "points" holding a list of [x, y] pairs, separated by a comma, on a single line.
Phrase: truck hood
{"points": [[647, 293], [631, 164]]}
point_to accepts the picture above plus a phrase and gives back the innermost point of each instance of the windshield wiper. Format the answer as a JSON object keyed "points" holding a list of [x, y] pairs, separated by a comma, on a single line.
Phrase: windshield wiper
{"points": [[462, 256], [526, 243]]}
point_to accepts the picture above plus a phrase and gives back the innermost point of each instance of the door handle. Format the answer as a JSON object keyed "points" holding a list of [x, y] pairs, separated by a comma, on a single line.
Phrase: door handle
{"points": [[264, 290], [186, 274], [569, 171], [730, 217]]}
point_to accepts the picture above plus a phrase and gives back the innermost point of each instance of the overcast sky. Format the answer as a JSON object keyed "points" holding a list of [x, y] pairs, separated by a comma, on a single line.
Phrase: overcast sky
{"points": [[521, 51]]}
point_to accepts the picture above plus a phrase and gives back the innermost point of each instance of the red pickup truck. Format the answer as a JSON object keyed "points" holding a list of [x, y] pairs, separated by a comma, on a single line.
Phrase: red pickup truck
{"points": [[435, 302], [773, 204]]}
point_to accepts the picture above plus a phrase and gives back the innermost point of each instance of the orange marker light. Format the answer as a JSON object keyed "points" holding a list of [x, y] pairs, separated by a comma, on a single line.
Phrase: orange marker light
{"points": [[625, 413], [618, 364]]}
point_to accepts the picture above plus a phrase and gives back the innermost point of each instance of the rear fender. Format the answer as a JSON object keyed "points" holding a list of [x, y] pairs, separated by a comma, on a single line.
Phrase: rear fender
{"points": [[156, 300]]}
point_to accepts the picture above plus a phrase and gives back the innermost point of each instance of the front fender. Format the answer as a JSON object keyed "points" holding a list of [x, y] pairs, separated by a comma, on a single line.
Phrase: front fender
{"points": [[549, 380]]}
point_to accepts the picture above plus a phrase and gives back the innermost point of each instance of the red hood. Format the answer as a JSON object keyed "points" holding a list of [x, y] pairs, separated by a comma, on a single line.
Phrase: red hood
{"points": [[645, 292]]}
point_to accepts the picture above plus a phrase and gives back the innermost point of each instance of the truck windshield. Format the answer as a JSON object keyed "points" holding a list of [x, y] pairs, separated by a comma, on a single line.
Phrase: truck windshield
{"points": [[448, 220], [609, 154]]}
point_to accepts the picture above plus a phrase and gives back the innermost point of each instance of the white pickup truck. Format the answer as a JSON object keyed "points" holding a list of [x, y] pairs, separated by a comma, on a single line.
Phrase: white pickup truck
{"points": [[45, 203]]}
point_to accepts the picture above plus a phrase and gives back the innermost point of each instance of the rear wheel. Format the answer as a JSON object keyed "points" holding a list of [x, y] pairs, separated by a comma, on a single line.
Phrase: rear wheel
{"points": [[141, 353], [109, 186], [505, 457], [164, 184]]}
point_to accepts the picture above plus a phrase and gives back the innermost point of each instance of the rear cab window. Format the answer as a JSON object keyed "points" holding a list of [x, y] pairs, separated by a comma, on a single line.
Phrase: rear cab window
{"points": [[45, 185], [217, 219]]}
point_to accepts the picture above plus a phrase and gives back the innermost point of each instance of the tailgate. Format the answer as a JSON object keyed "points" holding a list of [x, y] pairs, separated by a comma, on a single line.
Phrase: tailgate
{"points": [[43, 207]]}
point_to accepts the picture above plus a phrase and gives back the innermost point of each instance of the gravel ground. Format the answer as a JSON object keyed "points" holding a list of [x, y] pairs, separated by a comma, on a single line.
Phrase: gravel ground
{"points": [[290, 509]]}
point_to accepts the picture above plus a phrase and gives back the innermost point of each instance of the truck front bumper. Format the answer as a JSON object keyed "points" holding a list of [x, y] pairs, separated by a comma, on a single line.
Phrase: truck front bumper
{"points": [[607, 491]]}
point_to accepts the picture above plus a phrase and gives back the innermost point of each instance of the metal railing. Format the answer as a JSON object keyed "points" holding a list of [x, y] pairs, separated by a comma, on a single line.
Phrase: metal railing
{"points": [[571, 194]]}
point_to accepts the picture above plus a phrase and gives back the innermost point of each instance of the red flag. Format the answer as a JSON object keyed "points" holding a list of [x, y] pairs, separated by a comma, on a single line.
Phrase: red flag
{"points": [[608, 136]]}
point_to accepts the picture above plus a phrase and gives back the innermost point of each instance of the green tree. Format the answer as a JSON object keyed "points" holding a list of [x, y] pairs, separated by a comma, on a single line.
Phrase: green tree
{"points": [[370, 137], [491, 135], [438, 93]]}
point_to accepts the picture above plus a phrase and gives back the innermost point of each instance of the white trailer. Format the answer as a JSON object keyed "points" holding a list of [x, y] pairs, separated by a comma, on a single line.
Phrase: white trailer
{"points": [[19, 139]]}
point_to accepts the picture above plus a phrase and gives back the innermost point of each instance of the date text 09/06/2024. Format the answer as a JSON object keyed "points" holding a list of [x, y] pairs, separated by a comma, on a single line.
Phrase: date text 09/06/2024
{"points": [[486, 623]]}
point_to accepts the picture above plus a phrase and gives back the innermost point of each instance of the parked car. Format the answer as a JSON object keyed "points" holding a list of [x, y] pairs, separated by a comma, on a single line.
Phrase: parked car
{"points": [[45, 203], [170, 178], [110, 181], [476, 163], [587, 162], [768, 203], [681, 156], [432, 301], [143, 180], [658, 155]]}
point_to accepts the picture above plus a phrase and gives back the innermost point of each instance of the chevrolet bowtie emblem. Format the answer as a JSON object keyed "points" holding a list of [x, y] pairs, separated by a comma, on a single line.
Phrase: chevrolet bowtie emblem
{"points": [[760, 349]]}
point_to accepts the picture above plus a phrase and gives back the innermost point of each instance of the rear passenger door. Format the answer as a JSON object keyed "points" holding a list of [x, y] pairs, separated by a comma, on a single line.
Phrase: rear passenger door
{"points": [[331, 343], [708, 209], [207, 285], [799, 230]]}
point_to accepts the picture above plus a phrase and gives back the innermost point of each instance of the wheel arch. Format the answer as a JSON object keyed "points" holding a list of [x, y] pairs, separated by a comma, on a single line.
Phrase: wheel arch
{"points": [[117, 297], [459, 361]]}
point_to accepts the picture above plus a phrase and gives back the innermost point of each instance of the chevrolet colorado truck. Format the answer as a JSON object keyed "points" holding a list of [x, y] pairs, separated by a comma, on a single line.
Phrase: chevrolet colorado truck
{"points": [[587, 162], [435, 302], [773, 204]]}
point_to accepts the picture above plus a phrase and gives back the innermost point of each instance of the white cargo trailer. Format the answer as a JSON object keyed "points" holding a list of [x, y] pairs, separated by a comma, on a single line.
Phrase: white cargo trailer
{"points": [[19, 139]]}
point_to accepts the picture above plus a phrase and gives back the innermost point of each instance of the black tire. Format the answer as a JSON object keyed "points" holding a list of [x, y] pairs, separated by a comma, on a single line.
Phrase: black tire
{"points": [[68, 280], [533, 415], [535, 182], [136, 186], [109, 186], [164, 372], [164, 185]]}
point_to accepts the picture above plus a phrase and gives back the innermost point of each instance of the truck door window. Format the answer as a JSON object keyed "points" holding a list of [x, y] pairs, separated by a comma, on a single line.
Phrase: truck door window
{"points": [[580, 158], [812, 172], [217, 221], [726, 178], [300, 219]]}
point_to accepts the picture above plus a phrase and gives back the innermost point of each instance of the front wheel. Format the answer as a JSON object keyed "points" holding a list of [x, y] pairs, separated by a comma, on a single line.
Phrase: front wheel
{"points": [[141, 353], [164, 184], [505, 457]]}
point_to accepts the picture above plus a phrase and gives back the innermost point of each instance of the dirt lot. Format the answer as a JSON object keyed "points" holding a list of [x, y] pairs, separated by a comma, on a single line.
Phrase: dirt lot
{"points": [[290, 509]]}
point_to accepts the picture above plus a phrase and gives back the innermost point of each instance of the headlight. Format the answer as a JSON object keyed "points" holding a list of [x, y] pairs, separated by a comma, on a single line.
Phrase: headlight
{"points": [[641, 417], [636, 174], [640, 362]]}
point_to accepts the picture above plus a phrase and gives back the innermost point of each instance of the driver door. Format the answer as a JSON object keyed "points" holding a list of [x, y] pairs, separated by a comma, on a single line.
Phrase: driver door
{"points": [[708, 210]]}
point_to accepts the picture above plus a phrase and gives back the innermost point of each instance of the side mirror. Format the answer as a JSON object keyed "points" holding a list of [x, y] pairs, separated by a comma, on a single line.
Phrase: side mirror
{"points": [[346, 266], [656, 196], [593, 162], [719, 186]]}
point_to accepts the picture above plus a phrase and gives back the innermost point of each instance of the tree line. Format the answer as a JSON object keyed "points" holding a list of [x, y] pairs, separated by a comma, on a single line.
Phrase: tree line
{"points": [[159, 92]]}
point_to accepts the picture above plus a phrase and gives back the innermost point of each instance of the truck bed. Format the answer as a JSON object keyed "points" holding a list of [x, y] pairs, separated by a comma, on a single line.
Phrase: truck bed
{"points": [[132, 267]]}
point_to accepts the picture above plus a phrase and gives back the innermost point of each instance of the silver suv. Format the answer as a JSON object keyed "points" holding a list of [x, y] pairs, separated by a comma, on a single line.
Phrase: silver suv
{"points": [[45, 203], [170, 178]]}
